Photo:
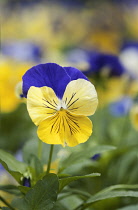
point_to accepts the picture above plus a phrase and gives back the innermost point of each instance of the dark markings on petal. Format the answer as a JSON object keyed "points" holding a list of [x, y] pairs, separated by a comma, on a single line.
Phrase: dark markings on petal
{"points": [[69, 126], [65, 100], [54, 102], [54, 123], [73, 102], [48, 107], [59, 125], [71, 98], [75, 108], [49, 103], [64, 124], [71, 121], [58, 121]]}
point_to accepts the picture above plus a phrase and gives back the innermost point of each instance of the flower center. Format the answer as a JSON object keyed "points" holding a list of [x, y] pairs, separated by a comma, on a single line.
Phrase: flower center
{"points": [[61, 106], [61, 109], [62, 112]]}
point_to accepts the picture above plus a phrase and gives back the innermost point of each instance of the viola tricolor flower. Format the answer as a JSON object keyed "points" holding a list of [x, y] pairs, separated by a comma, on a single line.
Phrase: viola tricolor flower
{"points": [[58, 101]]}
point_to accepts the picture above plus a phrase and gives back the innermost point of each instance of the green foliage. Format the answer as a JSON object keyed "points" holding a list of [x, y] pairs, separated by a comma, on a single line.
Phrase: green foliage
{"points": [[16, 128], [65, 181], [31, 149], [131, 207], [13, 166], [12, 189], [113, 194], [42, 196], [82, 155]]}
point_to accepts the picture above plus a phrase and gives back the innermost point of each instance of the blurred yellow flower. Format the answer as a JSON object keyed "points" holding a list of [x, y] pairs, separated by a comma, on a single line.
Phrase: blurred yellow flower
{"points": [[53, 167], [134, 116], [133, 88], [10, 74], [114, 89]]}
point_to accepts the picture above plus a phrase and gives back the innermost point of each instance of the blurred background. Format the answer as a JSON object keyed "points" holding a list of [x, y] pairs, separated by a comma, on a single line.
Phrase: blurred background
{"points": [[98, 37]]}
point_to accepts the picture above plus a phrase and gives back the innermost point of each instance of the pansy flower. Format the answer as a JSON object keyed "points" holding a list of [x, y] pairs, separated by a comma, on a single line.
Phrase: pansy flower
{"points": [[58, 101]]}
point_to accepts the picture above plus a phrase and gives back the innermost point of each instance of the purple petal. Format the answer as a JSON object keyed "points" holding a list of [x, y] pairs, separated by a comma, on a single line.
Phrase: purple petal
{"points": [[50, 75], [75, 73]]}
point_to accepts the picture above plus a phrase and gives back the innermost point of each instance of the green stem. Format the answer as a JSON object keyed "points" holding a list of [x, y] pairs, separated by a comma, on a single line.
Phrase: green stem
{"points": [[5, 202], [39, 149], [50, 158]]}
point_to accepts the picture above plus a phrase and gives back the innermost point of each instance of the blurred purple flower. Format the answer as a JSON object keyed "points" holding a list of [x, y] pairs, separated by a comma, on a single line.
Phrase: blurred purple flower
{"points": [[121, 107], [22, 51], [100, 61]]}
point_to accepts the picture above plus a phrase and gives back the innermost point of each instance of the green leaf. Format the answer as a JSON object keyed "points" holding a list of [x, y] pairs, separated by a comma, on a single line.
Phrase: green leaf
{"points": [[12, 189], [36, 169], [20, 204], [81, 155], [36, 164], [120, 186], [71, 202], [42, 196], [109, 194], [59, 206], [13, 166], [31, 148], [65, 181], [5, 208], [24, 189], [131, 207]]}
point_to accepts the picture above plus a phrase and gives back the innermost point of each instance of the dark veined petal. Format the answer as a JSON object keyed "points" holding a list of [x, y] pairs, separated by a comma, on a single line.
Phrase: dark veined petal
{"points": [[41, 103], [65, 128], [50, 75], [75, 73]]}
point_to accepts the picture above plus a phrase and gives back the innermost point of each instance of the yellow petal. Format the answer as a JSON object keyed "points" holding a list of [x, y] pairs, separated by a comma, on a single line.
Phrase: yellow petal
{"points": [[80, 97], [65, 128], [81, 128], [50, 130], [41, 103]]}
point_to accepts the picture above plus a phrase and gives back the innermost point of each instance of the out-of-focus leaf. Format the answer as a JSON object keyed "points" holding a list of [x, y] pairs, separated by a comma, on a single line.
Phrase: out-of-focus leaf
{"points": [[13, 166], [20, 203], [37, 168], [59, 206], [65, 181], [42, 196], [24, 189], [12, 189], [16, 128], [31, 148], [109, 194], [71, 202], [131, 207], [78, 156], [120, 186]]}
